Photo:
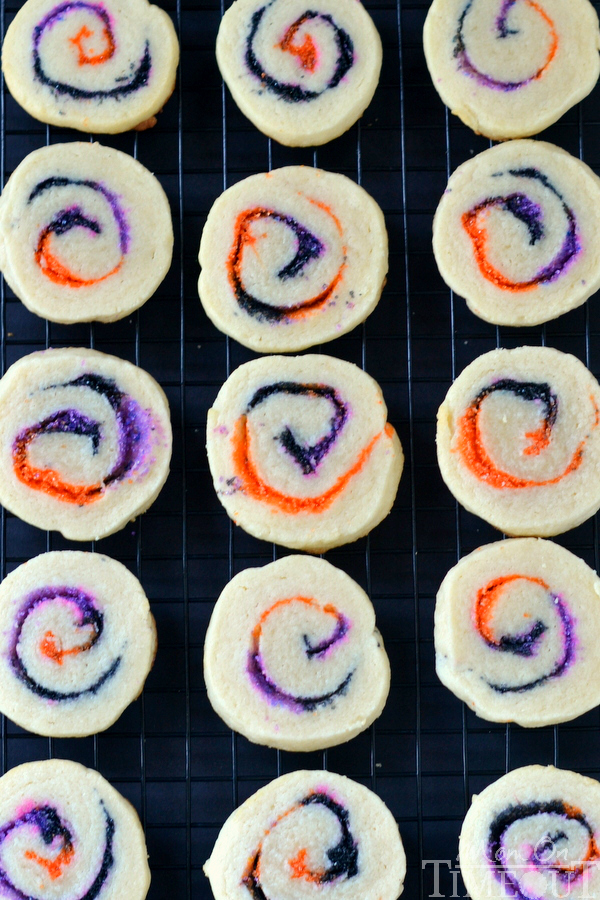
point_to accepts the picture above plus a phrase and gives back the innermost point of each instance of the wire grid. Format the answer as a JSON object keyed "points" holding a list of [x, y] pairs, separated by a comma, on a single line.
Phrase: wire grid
{"points": [[169, 753]]}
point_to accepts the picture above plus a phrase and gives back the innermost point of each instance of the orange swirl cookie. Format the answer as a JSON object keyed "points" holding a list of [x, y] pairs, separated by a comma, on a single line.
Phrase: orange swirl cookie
{"points": [[516, 233], [95, 65], [85, 233], [300, 451], [518, 440], [85, 441], [517, 633], [292, 657], [309, 834], [302, 74], [292, 258], [510, 68]]}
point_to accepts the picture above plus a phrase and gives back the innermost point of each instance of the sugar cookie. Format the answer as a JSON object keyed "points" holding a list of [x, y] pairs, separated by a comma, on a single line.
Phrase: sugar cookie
{"points": [[518, 440], [300, 452], [85, 233], [308, 833], [292, 657], [301, 75], [516, 233], [85, 441], [292, 258], [533, 833], [95, 65], [510, 68]]}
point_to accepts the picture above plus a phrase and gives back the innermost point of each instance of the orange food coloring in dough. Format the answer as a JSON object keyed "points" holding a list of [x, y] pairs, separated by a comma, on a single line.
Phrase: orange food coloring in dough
{"points": [[488, 597], [473, 224], [53, 866], [327, 209], [301, 870], [553, 38], [257, 630], [87, 57], [50, 648], [53, 269], [306, 52], [50, 482]]}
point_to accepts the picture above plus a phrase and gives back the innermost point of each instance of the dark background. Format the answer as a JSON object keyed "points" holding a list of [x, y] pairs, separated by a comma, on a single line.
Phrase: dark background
{"points": [[169, 753]]}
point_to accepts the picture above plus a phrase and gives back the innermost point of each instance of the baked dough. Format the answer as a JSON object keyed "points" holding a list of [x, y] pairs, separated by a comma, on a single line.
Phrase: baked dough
{"points": [[85, 441], [300, 452], [518, 440], [85, 233], [307, 833], [292, 258], [533, 834], [510, 68], [96, 65], [517, 233], [517, 633], [292, 657], [303, 75]]}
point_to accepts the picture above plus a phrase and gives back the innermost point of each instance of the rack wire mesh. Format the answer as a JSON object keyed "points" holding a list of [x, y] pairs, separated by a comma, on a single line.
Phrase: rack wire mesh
{"points": [[169, 753]]}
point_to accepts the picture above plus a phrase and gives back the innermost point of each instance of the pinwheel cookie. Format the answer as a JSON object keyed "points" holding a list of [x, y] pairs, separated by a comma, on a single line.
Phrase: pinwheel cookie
{"points": [[85, 441], [300, 451], [292, 258], [509, 68], [517, 633], [518, 440], [95, 65], [533, 833], [517, 233], [303, 75], [85, 233], [307, 833], [66, 832], [77, 641], [292, 657]]}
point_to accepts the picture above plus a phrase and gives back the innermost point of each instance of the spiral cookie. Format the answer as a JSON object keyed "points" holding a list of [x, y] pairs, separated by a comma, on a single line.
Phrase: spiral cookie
{"points": [[510, 68], [292, 258], [533, 835], [85, 233], [518, 440], [300, 452], [66, 832], [95, 65], [307, 833], [292, 657], [85, 441], [516, 233], [303, 74]]}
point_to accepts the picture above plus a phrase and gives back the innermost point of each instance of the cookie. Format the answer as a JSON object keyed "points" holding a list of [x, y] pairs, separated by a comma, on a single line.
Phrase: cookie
{"points": [[300, 451], [85, 441], [509, 69], [292, 657], [302, 75], [304, 833], [85, 233], [517, 633], [66, 832], [95, 65], [292, 258], [516, 233], [533, 833], [518, 440], [77, 642]]}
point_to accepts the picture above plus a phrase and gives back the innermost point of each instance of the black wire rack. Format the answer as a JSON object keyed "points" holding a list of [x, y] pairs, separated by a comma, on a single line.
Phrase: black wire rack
{"points": [[169, 753]]}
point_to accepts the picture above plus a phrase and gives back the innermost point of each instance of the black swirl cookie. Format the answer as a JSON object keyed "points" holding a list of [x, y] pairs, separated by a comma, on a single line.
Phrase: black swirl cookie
{"points": [[517, 633], [95, 65], [518, 440], [516, 232], [308, 833], [65, 832], [300, 451], [85, 441], [510, 68], [77, 642], [533, 835], [292, 657], [85, 233], [292, 258], [302, 74]]}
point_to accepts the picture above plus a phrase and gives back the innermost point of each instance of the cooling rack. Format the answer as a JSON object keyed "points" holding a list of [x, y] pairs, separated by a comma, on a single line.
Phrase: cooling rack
{"points": [[169, 753]]}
